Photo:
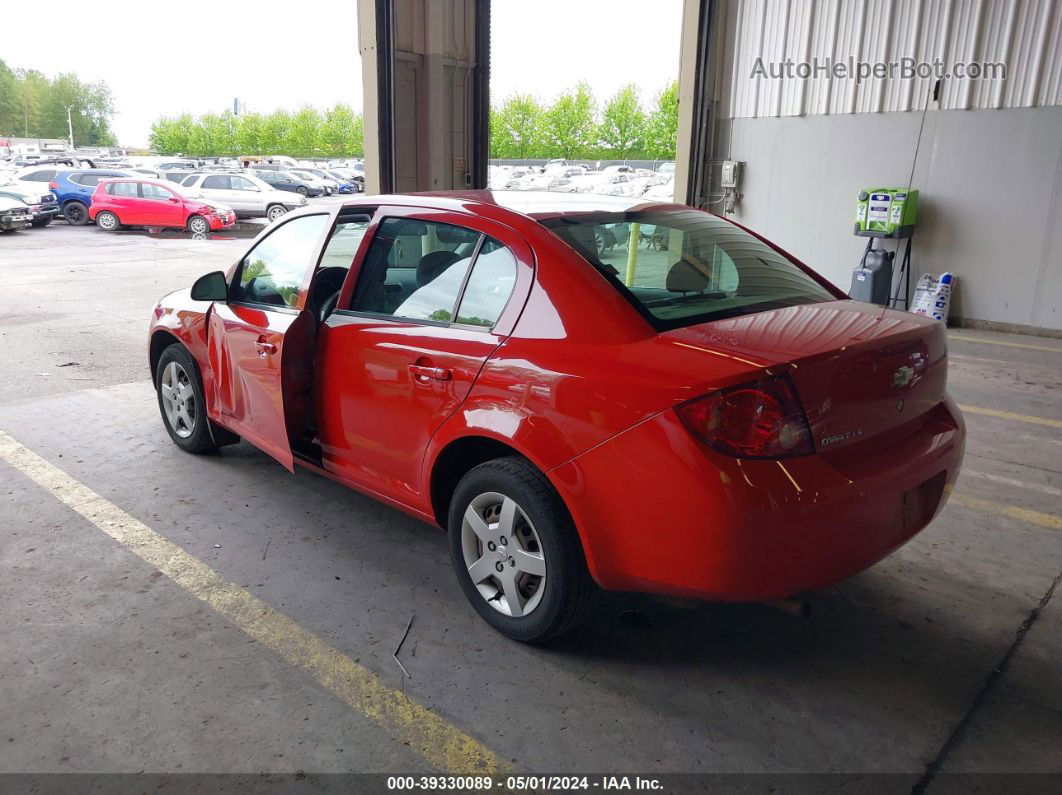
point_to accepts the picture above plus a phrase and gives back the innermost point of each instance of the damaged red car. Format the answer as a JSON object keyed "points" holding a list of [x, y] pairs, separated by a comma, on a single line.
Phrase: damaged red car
{"points": [[582, 391]]}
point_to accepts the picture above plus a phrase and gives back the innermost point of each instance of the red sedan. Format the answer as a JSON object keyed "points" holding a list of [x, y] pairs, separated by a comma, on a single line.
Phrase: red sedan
{"points": [[141, 202], [580, 389]]}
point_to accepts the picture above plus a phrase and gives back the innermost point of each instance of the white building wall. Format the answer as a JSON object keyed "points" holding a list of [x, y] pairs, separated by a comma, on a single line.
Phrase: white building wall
{"points": [[989, 166]]}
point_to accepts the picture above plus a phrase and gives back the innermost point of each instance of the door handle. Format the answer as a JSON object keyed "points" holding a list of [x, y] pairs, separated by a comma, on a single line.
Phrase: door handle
{"points": [[264, 348], [424, 373]]}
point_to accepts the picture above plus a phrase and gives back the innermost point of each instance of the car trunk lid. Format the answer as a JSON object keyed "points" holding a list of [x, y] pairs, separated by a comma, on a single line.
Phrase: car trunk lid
{"points": [[859, 370]]}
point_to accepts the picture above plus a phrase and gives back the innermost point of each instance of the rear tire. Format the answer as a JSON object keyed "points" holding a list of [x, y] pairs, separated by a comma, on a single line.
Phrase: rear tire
{"points": [[274, 211], [538, 535], [76, 213], [198, 225], [108, 221], [301, 190], [42, 222]]}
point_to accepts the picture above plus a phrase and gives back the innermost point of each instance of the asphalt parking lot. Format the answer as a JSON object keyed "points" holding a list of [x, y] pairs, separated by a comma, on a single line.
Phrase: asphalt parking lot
{"points": [[175, 613]]}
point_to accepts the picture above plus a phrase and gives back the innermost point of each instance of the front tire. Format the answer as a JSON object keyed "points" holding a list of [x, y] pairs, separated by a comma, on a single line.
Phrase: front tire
{"points": [[76, 214], [198, 225], [108, 221], [181, 400], [275, 211], [516, 551], [42, 222]]}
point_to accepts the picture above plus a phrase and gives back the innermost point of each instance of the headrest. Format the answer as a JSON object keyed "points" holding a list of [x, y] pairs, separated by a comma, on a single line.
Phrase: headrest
{"points": [[454, 234], [432, 265], [684, 277]]}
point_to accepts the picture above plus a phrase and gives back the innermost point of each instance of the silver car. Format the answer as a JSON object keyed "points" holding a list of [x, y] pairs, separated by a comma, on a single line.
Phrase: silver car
{"points": [[249, 196]]}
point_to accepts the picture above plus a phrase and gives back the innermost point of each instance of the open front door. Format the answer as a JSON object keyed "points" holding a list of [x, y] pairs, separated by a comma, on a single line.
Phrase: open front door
{"points": [[260, 340]]}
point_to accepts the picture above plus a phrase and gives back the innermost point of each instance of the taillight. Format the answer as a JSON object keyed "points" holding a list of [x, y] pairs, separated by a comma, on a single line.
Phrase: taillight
{"points": [[761, 419], [53, 185]]}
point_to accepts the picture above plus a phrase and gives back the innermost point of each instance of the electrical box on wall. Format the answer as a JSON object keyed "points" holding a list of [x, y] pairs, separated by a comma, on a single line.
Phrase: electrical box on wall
{"points": [[730, 174], [886, 212]]}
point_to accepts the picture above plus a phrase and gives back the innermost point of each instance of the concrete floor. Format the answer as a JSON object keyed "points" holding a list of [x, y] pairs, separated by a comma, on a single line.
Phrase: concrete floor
{"points": [[942, 657]]}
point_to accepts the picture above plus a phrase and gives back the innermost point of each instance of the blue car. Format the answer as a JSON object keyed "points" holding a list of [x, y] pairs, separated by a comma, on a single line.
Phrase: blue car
{"points": [[345, 185], [73, 191]]}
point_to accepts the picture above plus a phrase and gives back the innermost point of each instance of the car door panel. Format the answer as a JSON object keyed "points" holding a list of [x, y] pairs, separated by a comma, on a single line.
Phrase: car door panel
{"points": [[384, 385], [387, 387], [246, 351], [260, 341]]}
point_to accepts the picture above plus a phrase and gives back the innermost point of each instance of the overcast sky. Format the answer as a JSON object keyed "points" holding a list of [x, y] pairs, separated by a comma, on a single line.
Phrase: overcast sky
{"points": [[160, 61]]}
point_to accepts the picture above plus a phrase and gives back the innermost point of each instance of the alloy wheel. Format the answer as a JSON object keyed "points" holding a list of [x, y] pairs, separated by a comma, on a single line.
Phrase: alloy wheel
{"points": [[199, 226], [178, 400], [503, 554]]}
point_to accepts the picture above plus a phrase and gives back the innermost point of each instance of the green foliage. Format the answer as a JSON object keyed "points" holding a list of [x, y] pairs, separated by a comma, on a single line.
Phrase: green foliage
{"points": [[623, 125], [516, 127], [520, 127], [34, 106], [570, 126], [339, 132], [662, 125]]}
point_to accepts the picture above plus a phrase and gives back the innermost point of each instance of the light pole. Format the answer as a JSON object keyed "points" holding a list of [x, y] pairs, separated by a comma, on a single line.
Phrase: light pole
{"points": [[70, 126]]}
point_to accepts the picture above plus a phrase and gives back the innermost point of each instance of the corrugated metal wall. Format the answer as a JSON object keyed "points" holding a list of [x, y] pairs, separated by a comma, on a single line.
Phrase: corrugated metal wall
{"points": [[1026, 35]]}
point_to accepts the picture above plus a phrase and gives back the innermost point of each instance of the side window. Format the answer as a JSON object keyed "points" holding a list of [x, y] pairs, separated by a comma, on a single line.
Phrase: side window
{"points": [[126, 189], [343, 245], [150, 191], [414, 269], [189, 181], [40, 176], [216, 182], [489, 286], [240, 183], [273, 271]]}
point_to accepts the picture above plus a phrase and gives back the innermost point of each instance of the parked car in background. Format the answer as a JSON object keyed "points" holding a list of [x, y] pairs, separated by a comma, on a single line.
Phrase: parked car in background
{"points": [[284, 180], [43, 206], [247, 195], [345, 181], [74, 190], [132, 202], [324, 176], [329, 186], [14, 214]]}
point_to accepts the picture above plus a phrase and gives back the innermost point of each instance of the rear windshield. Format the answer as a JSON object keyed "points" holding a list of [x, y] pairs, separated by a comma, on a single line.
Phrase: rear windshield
{"points": [[681, 267]]}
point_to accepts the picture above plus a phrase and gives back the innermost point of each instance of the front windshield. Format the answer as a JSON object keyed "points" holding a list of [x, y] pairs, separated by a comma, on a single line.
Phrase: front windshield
{"points": [[681, 267]]}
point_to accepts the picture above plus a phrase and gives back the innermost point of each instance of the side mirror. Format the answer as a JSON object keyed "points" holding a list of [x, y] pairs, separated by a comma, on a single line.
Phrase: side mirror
{"points": [[211, 287]]}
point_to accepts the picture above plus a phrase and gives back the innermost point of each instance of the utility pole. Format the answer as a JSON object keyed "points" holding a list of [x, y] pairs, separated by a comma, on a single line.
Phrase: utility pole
{"points": [[70, 126]]}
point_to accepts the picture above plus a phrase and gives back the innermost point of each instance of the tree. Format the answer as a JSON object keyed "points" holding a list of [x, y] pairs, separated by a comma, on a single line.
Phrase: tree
{"points": [[274, 132], [569, 124], [338, 131], [301, 138], [249, 133], [9, 100], [662, 127], [623, 125], [516, 127]]}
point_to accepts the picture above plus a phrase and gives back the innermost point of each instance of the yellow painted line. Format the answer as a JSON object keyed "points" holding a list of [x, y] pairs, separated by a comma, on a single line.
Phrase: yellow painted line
{"points": [[441, 744], [1010, 415], [1025, 345], [1012, 511]]}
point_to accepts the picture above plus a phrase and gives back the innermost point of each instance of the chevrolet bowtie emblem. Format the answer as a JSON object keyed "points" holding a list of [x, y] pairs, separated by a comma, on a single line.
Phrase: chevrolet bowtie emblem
{"points": [[903, 376]]}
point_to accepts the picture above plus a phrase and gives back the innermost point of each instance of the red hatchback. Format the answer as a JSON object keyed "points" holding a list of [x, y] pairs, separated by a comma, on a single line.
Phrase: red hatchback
{"points": [[140, 202], [581, 390]]}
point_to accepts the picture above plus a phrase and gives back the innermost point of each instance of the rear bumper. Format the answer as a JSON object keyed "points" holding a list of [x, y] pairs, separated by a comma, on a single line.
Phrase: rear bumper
{"points": [[659, 512]]}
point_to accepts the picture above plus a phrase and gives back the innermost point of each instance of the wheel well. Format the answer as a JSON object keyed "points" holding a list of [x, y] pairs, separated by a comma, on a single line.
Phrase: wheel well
{"points": [[454, 461], [160, 341]]}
